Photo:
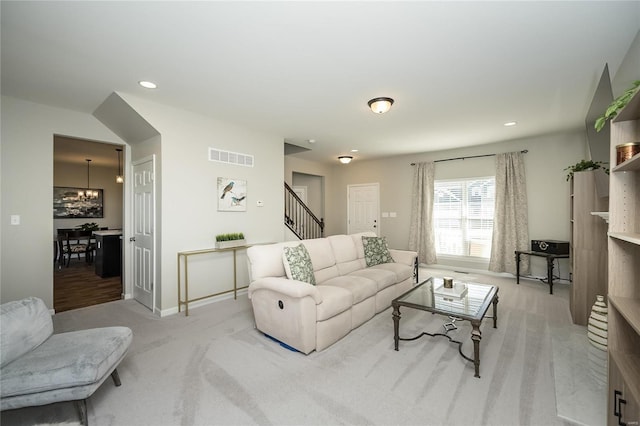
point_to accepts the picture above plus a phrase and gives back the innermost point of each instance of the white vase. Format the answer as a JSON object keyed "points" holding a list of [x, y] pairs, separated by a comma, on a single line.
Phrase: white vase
{"points": [[597, 326]]}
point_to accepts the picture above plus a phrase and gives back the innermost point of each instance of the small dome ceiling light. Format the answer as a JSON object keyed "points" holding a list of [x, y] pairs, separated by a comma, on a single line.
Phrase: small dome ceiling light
{"points": [[380, 105], [345, 159], [147, 84], [510, 123]]}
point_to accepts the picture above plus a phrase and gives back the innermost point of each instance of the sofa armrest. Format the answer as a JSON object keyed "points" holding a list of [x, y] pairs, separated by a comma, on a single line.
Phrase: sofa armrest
{"points": [[406, 257], [290, 288]]}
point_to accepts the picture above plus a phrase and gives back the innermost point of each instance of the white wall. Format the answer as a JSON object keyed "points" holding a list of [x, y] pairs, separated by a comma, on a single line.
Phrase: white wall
{"points": [[26, 261], [548, 191], [629, 70], [187, 219], [190, 219]]}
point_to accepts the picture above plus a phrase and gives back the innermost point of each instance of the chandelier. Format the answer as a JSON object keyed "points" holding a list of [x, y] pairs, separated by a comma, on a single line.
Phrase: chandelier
{"points": [[88, 194]]}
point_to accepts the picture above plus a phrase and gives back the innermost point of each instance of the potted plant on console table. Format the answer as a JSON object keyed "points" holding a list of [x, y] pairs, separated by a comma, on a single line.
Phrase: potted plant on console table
{"points": [[230, 240]]}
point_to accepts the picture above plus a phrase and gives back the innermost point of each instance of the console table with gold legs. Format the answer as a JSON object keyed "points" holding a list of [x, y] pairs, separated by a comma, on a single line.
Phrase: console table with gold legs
{"points": [[183, 258]]}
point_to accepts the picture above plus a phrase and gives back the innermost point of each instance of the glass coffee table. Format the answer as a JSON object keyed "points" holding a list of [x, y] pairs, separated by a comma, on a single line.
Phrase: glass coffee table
{"points": [[465, 301]]}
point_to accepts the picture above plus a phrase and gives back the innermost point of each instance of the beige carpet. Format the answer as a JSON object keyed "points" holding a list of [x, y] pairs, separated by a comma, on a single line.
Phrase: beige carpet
{"points": [[214, 368]]}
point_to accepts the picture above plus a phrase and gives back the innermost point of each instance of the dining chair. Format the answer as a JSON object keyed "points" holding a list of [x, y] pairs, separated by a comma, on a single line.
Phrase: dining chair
{"points": [[75, 242]]}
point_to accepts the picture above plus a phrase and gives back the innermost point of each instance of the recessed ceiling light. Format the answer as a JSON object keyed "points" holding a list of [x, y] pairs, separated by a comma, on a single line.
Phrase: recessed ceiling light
{"points": [[311, 140], [510, 123], [147, 84], [354, 150]]}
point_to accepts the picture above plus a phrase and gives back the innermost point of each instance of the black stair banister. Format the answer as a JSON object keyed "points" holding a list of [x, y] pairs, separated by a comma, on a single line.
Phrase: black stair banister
{"points": [[298, 218]]}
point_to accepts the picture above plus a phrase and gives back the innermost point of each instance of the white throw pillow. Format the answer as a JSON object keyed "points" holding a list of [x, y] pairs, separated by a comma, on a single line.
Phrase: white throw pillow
{"points": [[297, 264]]}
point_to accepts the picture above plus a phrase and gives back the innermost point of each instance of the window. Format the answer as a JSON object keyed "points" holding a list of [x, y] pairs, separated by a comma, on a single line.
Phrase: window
{"points": [[463, 216]]}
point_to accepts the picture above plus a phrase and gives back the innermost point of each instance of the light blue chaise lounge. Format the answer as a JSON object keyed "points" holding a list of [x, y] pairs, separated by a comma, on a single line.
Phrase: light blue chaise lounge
{"points": [[38, 367]]}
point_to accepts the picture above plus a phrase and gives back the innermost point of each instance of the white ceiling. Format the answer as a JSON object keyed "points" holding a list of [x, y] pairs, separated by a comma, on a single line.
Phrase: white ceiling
{"points": [[305, 70]]}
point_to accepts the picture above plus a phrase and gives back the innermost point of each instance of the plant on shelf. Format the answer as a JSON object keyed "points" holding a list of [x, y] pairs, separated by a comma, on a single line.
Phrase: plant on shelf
{"points": [[585, 165], [617, 104], [89, 226]]}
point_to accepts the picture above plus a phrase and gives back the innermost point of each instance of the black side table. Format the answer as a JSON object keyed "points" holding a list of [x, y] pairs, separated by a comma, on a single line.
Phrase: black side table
{"points": [[550, 258]]}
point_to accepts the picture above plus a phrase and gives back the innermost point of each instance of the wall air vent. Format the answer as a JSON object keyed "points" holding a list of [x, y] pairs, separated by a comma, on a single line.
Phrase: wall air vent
{"points": [[230, 157]]}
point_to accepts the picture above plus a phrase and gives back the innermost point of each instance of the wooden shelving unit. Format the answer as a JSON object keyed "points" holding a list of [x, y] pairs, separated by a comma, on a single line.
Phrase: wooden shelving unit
{"points": [[624, 272], [588, 245]]}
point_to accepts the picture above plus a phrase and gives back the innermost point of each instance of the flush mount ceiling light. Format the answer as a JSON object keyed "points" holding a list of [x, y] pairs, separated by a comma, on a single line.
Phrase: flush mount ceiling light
{"points": [[380, 105], [345, 159], [147, 84]]}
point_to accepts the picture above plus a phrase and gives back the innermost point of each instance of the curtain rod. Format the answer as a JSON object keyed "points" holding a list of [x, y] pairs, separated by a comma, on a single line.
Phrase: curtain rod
{"points": [[524, 151]]}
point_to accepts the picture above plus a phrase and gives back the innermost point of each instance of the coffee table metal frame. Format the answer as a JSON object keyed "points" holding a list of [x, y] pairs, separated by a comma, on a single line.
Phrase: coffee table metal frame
{"points": [[475, 318]]}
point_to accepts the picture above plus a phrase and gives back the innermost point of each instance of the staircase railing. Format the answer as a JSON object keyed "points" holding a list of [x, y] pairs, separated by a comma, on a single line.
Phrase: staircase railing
{"points": [[298, 218]]}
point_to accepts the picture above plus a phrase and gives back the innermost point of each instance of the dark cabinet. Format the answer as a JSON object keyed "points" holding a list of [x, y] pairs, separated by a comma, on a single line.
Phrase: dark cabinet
{"points": [[108, 254]]}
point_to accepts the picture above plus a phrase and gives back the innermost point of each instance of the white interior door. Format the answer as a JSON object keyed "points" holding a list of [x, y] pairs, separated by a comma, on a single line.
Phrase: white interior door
{"points": [[144, 232], [301, 192], [363, 208]]}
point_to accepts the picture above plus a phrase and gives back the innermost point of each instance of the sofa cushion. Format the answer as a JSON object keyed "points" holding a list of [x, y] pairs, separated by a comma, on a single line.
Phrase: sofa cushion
{"points": [[26, 324], [376, 251], [346, 254], [357, 240], [344, 249], [382, 277], [266, 261], [320, 252], [297, 264], [360, 287], [335, 300], [401, 271], [66, 360]]}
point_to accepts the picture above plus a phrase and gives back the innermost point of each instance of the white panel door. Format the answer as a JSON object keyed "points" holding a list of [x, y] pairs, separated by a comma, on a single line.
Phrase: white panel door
{"points": [[144, 233], [301, 192], [363, 208]]}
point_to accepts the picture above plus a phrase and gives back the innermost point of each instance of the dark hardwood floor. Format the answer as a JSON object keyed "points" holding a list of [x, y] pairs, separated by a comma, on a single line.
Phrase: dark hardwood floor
{"points": [[78, 286]]}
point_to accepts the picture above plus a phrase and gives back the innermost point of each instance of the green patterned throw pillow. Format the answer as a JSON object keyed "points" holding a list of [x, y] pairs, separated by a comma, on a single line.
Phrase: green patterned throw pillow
{"points": [[297, 264], [376, 251]]}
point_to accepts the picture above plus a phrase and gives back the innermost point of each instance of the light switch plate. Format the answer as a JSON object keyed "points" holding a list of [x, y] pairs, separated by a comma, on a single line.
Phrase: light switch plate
{"points": [[15, 219]]}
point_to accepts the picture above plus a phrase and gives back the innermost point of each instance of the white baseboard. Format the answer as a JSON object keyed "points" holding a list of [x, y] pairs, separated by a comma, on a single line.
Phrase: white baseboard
{"points": [[199, 303], [467, 270]]}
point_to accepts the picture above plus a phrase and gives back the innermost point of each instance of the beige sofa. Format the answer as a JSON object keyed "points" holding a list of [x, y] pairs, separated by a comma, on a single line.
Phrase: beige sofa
{"points": [[347, 293]]}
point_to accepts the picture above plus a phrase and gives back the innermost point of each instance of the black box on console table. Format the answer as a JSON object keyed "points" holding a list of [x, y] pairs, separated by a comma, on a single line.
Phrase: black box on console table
{"points": [[550, 246]]}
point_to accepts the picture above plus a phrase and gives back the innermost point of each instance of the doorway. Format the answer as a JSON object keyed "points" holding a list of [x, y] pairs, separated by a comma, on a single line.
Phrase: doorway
{"points": [[310, 189], [76, 282]]}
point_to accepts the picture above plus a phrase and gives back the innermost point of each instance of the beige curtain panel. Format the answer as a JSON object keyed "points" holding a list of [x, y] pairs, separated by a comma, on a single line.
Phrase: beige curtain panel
{"points": [[421, 238], [510, 223]]}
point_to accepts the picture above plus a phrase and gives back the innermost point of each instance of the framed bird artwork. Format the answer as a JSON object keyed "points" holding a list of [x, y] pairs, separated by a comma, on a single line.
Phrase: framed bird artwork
{"points": [[232, 195]]}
